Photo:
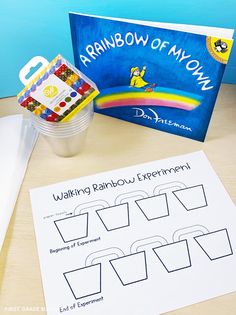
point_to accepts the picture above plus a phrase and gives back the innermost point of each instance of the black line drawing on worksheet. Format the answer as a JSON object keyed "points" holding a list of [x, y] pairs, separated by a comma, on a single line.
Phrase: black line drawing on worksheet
{"points": [[154, 207], [168, 187], [130, 196], [174, 256], [112, 217], [192, 198], [215, 244], [182, 233], [73, 228], [130, 269], [85, 281], [115, 217]]}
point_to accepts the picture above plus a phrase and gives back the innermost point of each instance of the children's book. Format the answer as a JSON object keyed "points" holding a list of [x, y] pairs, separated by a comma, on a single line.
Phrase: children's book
{"points": [[160, 75]]}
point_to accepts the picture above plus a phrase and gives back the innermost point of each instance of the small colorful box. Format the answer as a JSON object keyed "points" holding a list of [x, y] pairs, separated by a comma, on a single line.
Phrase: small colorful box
{"points": [[58, 92]]}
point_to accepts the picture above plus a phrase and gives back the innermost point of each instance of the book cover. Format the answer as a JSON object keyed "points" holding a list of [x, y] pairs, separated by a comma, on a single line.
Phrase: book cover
{"points": [[157, 77]]}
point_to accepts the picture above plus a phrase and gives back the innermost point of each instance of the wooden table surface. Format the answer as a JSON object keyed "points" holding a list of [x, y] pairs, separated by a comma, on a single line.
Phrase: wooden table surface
{"points": [[111, 144]]}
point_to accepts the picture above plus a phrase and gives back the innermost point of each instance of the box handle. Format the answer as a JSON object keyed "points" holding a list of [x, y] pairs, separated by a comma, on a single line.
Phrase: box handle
{"points": [[32, 63]]}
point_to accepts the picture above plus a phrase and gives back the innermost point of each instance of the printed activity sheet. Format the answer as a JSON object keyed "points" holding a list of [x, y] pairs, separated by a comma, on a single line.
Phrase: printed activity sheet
{"points": [[146, 239]]}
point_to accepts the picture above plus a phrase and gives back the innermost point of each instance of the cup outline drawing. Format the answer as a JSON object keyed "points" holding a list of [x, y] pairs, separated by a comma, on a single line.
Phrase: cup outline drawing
{"points": [[79, 269], [71, 218], [142, 253], [145, 212], [179, 237], [160, 190], [189, 264], [106, 224], [82, 210], [93, 257], [214, 232], [190, 188]]}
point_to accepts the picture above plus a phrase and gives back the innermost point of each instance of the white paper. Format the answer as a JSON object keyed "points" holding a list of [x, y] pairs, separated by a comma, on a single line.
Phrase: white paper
{"points": [[10, 128], [188, 28], [17, 138], [146, 239]]}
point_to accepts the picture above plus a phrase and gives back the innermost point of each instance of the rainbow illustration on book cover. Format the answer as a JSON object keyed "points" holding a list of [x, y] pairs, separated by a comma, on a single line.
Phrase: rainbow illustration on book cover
{"points": [[156, 77]]}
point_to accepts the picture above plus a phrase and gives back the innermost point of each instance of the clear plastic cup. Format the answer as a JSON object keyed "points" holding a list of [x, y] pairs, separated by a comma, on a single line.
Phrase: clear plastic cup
{"points": [[66, 138]]}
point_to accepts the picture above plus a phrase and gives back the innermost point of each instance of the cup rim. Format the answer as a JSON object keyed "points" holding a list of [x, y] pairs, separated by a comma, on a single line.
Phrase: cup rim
{"points": [[61, 128], [63, 135], [43, 122], [64, 132], [74, 120]]}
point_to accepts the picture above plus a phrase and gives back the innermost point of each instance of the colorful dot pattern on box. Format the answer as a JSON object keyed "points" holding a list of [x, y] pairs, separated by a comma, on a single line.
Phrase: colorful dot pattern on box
{"points": [[72, 79], [80, 88], [39, 109]]}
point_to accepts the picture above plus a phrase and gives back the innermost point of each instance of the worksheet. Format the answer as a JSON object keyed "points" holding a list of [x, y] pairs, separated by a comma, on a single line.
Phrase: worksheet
{"points": [[145, 239]]}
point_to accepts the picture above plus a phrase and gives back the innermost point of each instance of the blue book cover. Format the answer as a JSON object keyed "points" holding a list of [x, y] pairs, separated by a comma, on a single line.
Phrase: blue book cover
{"points": [[157, 77]]}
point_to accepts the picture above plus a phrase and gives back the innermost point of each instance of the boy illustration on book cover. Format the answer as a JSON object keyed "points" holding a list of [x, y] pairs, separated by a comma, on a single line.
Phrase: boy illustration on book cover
{"points": [[138, 81]]}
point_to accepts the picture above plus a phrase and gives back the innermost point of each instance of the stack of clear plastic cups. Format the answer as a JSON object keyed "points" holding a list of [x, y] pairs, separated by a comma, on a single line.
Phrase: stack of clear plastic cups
{"points": [[66, 138]]}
